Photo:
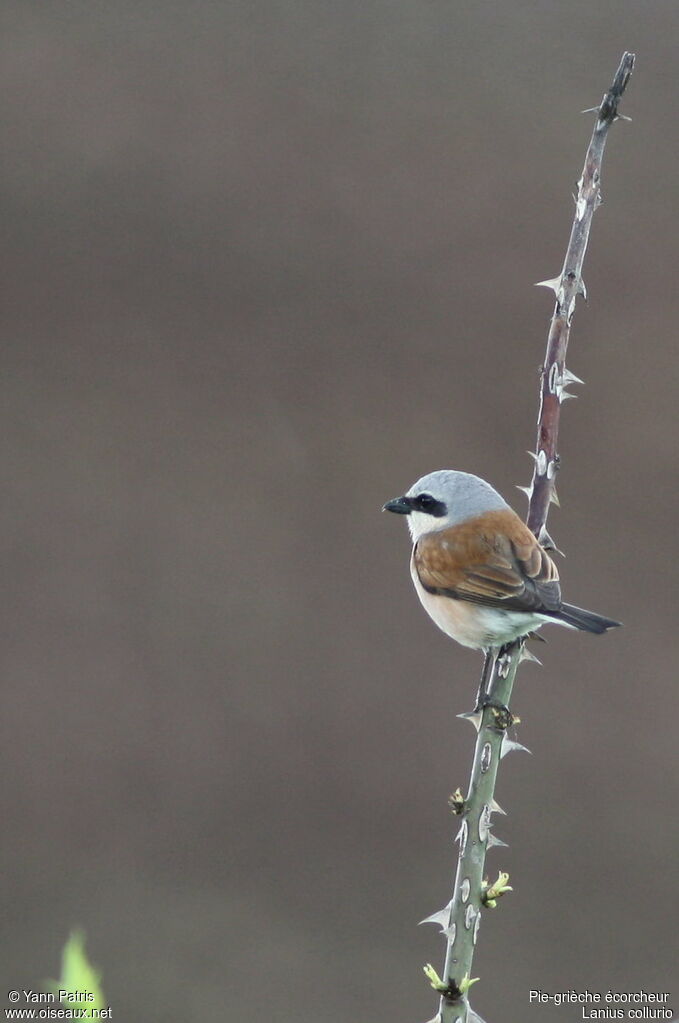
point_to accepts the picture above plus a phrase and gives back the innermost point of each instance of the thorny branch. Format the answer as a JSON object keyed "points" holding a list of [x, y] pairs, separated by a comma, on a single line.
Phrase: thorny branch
{"points": [[460, 919], [555, 378]]}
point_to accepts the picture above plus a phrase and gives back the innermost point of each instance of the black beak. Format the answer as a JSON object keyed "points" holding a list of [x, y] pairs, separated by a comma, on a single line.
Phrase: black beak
{"points": [[399, 506]]}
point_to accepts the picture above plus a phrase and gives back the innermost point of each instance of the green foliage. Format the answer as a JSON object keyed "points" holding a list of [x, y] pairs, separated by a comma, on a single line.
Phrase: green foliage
{"points": [[77, 976]]}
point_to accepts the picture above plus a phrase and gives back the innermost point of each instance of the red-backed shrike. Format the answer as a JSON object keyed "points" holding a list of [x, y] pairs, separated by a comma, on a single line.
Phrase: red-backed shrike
{"points": [[478, 570]]}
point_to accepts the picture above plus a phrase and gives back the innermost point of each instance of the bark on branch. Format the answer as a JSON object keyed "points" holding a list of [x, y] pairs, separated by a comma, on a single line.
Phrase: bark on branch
{"points": [[460, 920]]}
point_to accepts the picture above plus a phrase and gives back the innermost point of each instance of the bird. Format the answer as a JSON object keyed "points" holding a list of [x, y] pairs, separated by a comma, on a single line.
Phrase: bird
{"points": [[478, 570]]}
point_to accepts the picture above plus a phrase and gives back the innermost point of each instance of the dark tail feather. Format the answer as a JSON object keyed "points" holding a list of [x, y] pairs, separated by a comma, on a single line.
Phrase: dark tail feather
{"points": [[588, 621]]}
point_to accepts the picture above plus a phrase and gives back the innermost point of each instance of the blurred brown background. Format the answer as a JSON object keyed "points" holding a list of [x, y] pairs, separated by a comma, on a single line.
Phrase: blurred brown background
{"points": [[266, 264]]}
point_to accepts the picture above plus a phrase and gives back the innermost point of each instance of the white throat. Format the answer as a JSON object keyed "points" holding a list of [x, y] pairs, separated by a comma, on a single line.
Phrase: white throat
{"points": [[464, 495]]}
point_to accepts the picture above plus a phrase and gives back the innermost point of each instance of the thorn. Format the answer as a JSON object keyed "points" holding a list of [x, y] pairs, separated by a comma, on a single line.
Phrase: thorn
{"points": [[473, 716], [441, 919], [496, 808], [441, 916], [548, 544], [509, 746], [590, 110], [531, 454], [528, 655], [570, 378], [623, 117], [582, 290], [494, 840], [528, 491], [553, 284], [473, 1017], [554, 497], [565, 395]]}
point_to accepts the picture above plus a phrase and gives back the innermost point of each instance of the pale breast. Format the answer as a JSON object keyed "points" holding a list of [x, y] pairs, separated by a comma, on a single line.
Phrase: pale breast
{"points": [[472, 625]]}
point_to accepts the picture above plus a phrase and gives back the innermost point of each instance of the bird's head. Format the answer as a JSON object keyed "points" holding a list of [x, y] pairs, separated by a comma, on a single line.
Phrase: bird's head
{"points": [[444, 498]]}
